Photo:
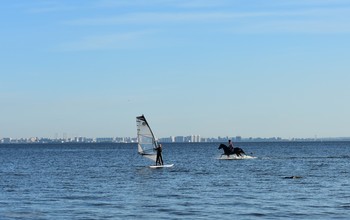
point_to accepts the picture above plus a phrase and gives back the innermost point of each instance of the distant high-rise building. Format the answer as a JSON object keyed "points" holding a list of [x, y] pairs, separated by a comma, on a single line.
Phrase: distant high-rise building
{"points": [[187, 139], [179, 139], [195, 138]]}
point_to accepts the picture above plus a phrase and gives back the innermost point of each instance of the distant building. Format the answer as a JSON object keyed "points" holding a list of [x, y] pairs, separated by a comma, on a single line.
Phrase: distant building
{"points": [[166, 140], [187, 139], [204, 140], [104, 140], [223, 139], [6, 140], [89, 140], [179, 139], [33, 139], [120, 140], [79, 139]]}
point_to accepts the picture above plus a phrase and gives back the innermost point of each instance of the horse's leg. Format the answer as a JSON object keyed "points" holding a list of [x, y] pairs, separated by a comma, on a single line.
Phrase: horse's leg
{"points": [[235, 151], [227, 152]]}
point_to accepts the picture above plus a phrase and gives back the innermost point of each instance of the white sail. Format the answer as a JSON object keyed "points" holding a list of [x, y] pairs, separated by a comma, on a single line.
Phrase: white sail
{"points": [[145, 138]]}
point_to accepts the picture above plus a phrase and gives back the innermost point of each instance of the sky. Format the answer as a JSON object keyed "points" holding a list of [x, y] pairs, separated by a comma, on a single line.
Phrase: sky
{"points": [[247, 68]]}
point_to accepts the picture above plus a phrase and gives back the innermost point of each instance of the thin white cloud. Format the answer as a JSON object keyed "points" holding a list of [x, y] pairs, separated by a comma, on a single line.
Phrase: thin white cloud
{"points": [[294, 26], [316, 21], [43, 7], [311, 20], [108, 42], [332, 16], [218, 3], [175, 17], [49, 9], [163, 3], [315, 3]]}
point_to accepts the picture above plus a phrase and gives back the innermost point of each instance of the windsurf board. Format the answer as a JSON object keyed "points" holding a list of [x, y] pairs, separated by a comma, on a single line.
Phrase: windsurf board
{"points": [[162, 166]]}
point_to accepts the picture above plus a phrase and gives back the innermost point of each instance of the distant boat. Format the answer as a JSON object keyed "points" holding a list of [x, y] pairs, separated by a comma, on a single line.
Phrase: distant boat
{"points": [[146, 141]]}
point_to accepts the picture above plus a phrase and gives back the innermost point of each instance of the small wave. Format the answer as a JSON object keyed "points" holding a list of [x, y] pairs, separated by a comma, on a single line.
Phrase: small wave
{"points": [[23, 215], [305, 157], [347, 206], [82, 197], [245, 157], [254, 214], [101, 204]]}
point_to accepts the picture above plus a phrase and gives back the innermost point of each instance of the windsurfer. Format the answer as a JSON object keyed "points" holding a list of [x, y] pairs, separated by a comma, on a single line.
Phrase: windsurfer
{"points": [[159, 155]]}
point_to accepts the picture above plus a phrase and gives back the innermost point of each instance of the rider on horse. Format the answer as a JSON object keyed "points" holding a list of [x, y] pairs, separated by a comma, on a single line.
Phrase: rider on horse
{"points": [[230, 146]]}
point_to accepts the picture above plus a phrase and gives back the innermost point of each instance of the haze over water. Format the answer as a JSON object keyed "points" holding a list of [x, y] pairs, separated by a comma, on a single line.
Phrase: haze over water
{"points": [[110, 181]]}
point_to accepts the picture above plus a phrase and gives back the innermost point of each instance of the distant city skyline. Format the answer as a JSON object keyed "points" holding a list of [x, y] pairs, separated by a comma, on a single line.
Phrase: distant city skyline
{"points": [[213, 67], [66, 136], [171, 139]]}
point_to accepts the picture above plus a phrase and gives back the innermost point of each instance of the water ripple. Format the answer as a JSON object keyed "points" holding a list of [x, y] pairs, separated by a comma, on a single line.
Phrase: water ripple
{"points": [[113, 182]]}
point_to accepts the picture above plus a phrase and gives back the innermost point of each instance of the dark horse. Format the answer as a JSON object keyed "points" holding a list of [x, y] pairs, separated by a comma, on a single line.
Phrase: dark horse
{"points": [[238, 151]]}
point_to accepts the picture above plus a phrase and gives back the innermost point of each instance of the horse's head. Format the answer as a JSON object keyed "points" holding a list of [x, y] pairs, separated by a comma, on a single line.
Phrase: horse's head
{"points": [[222, 146]]}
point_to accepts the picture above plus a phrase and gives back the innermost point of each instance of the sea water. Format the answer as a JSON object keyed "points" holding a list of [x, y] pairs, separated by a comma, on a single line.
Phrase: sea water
{"points": [[111, 181]]}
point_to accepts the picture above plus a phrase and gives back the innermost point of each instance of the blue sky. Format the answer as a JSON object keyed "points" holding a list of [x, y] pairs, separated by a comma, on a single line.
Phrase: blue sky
{"points": [[208, 67]]}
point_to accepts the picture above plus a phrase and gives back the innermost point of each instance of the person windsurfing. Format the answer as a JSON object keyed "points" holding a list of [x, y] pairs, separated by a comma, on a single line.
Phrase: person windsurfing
{"points": [[159, 155]]}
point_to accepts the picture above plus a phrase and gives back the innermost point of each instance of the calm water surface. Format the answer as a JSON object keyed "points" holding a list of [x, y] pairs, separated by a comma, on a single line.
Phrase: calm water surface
{"points": [[110, 181]]}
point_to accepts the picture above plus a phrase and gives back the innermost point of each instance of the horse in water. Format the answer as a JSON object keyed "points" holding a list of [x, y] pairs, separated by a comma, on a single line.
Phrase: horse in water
{"points": [[238, 151]]}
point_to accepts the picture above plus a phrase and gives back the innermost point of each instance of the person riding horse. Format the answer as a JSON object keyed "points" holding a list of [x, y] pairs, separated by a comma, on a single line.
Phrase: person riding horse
{"points": [[238, 151]]}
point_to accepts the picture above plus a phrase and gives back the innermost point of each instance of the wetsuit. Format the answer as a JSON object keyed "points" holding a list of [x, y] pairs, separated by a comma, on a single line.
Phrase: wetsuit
{"points": [[159, 156]]}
